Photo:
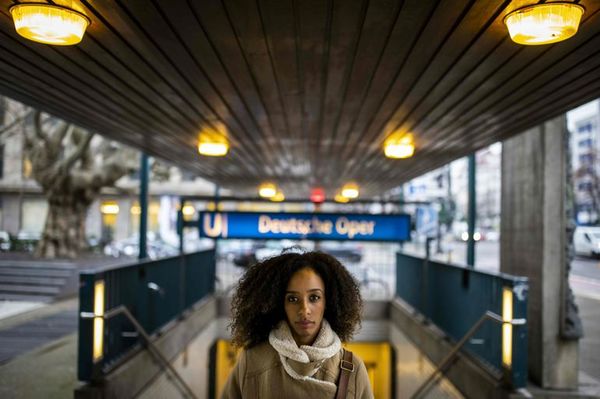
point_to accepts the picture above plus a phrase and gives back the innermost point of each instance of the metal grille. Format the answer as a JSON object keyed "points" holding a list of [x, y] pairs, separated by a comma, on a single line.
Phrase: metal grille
{"points": [[372, 264]]}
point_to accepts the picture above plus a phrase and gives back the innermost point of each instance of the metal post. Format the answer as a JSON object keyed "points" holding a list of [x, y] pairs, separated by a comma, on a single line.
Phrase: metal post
{"points": [[402, 210], [180, 224], [471, 213], [217, 196], [143, 205], [425, 281]]}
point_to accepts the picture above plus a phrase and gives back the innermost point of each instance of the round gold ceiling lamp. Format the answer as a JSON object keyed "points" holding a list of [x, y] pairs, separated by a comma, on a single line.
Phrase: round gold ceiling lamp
{"points": [[212, 145], [350, 190], [399, 145], [544, 23], [49, 23], [267, 190], [340, 198], [278, 197]]}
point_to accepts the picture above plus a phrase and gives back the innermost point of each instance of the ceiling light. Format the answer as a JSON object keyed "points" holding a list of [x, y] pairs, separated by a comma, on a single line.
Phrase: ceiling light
{"points": [[399, 145], [49, 24], [267, 190], [350, 190], [317, 195], [212, 144], [188, 210], [340, 198], [278, 197], [544, 23]]}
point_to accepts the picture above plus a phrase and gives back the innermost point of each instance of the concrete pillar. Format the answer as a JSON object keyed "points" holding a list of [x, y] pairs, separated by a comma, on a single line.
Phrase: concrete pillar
{"points": [[533, 227]]}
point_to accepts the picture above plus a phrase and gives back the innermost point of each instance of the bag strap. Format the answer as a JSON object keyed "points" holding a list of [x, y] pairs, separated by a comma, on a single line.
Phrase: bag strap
{"points": [[347, 367]]}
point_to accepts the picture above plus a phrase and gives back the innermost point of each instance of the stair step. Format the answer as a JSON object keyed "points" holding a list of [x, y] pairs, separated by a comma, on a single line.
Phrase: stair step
{"points": [[38, 264], [17, 271], [29, 280], [25, 297], [30, 289]]}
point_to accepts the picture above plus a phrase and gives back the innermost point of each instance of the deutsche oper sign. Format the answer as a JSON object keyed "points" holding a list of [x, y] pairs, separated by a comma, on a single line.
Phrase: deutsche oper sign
{"points": [[321, 226]]}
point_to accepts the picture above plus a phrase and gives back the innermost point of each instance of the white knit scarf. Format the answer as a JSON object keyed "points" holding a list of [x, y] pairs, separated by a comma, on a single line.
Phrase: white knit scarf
{"points": [[326, 345]]}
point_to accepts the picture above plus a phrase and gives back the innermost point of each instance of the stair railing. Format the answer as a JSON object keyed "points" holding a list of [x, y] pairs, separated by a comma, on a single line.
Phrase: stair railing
{"points": [[447, 362], [152, 348]]}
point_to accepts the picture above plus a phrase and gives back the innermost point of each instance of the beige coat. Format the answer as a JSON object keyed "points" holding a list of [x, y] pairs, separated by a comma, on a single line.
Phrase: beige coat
{"points": [[260, 374]]}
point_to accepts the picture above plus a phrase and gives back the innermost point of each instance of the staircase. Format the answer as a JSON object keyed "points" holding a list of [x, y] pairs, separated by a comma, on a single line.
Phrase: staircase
{"points": [[37, 281]]}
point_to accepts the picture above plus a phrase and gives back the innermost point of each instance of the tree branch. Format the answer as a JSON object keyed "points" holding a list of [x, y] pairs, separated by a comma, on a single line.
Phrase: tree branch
{"points": [[37, 126], [82, 146], [57, 138], [6, 128]]}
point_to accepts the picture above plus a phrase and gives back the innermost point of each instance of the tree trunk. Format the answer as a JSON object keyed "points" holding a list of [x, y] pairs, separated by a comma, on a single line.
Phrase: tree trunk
{"points": [[64, 231]]}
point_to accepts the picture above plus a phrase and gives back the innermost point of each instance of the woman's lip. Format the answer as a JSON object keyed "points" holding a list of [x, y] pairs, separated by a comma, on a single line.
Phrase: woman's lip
{"points": [[305, 324]]}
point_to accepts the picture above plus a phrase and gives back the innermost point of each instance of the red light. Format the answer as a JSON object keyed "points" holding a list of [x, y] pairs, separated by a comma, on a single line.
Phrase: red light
{"points": [[317, 195]]}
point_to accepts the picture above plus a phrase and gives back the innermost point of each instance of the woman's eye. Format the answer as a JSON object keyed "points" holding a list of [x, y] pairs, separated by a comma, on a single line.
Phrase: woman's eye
{"points": [[292, 299], [315, 298]]}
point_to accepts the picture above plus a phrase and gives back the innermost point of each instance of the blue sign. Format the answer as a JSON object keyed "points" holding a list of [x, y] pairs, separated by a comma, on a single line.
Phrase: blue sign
{"points": [[312, 226]]}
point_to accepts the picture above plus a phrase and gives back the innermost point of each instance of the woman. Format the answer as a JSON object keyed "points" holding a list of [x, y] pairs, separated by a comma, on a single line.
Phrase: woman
{"points": [[289, 314]]}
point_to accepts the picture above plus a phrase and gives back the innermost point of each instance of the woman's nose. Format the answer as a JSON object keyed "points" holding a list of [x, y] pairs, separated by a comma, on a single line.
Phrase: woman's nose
{"points": [[304, 308]]}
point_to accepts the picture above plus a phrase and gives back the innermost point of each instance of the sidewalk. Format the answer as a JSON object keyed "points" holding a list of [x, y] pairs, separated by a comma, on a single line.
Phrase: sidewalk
{"points": [[40, 346]]}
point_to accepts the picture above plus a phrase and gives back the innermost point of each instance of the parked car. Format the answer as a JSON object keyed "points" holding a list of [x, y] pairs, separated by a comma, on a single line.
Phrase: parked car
{"points": [[586, 241], [344, 251], [4, 241], [129, 247], [26, 241]]}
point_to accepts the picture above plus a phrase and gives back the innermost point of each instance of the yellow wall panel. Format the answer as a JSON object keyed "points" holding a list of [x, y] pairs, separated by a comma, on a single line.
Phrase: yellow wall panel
{"points": [[376, 356]]}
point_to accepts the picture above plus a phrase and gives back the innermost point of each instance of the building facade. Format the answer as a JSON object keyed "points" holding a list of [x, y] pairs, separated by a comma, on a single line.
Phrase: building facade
{"points": [[113, 216], [583, 123]]}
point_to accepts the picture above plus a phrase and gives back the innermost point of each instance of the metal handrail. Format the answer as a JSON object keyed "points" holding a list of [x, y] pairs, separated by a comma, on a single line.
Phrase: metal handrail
{"points": [[443, 366], [121, 309]]}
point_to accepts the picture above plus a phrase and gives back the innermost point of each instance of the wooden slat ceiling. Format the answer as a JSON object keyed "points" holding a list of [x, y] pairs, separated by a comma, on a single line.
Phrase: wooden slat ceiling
{"points": [[307, 90]]}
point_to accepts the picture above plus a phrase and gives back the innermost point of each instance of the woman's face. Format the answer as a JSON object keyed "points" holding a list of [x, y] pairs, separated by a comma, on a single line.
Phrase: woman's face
{"points": [[305, 305]]}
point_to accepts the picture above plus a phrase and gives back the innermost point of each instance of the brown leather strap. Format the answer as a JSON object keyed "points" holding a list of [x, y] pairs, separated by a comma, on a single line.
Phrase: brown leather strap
{"points": [[347, 367]]}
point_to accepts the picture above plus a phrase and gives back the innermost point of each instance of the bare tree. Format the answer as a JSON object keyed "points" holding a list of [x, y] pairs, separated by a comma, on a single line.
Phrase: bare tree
{"points": [[71, 165]]}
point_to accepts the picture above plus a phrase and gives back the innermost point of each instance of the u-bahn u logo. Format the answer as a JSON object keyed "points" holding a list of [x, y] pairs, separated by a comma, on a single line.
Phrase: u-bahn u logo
{"points": [[218, 227]]}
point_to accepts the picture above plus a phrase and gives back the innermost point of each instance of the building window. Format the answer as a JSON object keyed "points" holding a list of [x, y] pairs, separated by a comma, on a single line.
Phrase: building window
{"points": [[586, 158], [34, 212], [586, 143], [110, 211], [153, 221], [586, 127], [585, 186], [27, 168]]}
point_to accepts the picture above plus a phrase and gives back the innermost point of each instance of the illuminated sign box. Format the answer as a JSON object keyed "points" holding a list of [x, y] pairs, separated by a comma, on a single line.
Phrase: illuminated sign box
{"points": [[312, 226]]}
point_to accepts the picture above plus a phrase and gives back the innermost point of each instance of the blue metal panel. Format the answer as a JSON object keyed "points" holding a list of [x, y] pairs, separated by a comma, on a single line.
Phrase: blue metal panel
{"points": [[455, 297], [86, 327], [199, 280], [155, 292], [519, 367]]}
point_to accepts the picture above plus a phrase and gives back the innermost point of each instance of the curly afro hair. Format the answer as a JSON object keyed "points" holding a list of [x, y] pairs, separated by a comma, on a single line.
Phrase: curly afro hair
{"points": [[258, 303]]}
